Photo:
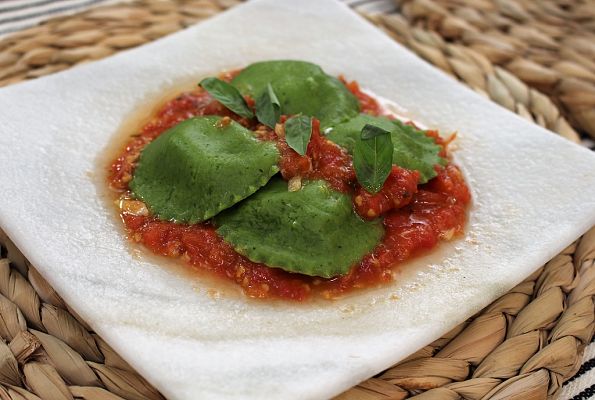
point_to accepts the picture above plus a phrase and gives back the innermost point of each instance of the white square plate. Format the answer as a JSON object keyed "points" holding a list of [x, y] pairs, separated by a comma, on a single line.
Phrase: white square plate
{"points": [[534, 193]]}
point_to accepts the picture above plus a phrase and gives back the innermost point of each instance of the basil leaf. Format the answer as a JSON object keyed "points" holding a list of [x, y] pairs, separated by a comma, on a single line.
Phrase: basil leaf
{"points": [[373, 157], [227, 95], [268, 108], [298, 131], [413, 149]]}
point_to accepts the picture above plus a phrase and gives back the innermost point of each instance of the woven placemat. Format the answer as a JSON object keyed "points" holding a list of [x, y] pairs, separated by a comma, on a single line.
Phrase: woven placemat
{"points": [[522, 346], [547, 44]]}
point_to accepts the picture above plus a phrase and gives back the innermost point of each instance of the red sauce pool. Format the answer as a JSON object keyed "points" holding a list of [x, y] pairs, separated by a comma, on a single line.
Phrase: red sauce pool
{"points": [[416, 217]]}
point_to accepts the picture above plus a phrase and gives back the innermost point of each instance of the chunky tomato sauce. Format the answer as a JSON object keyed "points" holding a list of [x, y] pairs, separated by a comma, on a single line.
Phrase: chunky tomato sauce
{"points": [[416, 217]]}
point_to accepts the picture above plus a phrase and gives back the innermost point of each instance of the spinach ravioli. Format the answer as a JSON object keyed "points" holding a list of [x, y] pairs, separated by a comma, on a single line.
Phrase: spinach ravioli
{"points": [[412, 148], [200, 167], [313, 231], [301, 87]]}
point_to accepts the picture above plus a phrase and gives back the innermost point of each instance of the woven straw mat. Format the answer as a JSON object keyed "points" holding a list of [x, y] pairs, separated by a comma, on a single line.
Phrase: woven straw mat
{"points": [[521, 54]]}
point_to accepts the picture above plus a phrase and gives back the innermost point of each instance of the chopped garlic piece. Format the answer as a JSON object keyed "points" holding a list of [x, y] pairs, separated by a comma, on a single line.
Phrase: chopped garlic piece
{"points": [[447, 235], [295, 184], [134, 207], [280, 130]]}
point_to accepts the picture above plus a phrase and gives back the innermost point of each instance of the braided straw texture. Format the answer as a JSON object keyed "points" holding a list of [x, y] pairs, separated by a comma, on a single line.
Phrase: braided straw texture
{"points": [[547, 44], [522, 346]]}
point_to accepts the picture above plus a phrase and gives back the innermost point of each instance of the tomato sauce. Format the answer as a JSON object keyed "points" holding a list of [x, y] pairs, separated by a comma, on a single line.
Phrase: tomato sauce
{"points": [[416, 217], [323, 160]]}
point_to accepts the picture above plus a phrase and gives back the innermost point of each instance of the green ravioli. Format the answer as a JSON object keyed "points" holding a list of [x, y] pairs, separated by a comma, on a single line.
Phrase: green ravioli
{"points": [[198, 168], [312, 231], [349, 132], [412, 148], [301, 87]]}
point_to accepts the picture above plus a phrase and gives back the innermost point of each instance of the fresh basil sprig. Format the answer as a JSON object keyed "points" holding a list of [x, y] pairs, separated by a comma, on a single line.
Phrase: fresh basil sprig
{"points": [[268, 108], [298, 130], [373, 157], [227, 95]]}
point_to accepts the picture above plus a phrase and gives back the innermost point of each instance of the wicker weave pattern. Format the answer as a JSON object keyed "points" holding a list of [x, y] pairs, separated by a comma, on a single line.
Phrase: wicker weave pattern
{"points": [[476, 70], [523, 346], [548, 44], [63, 42]]}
